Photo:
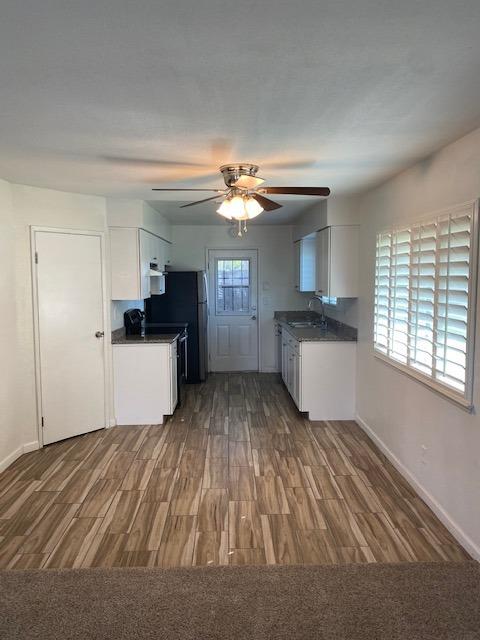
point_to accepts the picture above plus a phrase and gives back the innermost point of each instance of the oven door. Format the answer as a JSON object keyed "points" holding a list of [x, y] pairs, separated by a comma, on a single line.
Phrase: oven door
{"points": [[181, 365]]}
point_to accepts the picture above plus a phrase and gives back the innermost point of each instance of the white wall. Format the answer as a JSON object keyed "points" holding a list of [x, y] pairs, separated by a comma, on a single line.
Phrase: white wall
{"points": [[346, 309], [118, 307], [124, 212], [276, 290], [401, 412], [11, 437], [311, 220], [337, 210]]}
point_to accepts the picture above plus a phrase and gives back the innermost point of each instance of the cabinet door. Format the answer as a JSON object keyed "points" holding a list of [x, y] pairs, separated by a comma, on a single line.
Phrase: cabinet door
{"points": [[297, 250], [307, 264], [295, 376], [145, 245], [173, 377], [278, 347], [284, 359], [158, 252], [289, 368], [323, 262], [124, 264]]}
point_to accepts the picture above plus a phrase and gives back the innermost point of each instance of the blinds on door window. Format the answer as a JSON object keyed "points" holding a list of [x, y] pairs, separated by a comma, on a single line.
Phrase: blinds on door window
{"points": [[425, 286]]}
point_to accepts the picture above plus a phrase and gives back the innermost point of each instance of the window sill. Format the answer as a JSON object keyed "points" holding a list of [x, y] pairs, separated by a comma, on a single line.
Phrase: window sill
{"points": [[438, 388]]}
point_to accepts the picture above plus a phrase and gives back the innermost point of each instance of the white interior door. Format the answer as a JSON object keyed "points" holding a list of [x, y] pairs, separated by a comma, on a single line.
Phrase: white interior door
{"points": [[232, 320], [70, 311]]}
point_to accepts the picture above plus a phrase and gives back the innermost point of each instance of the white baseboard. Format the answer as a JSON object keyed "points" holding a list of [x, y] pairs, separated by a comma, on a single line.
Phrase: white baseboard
{"points": [[31, 446], [6, 462], [269, 370], [111, 423], [456, 531]]}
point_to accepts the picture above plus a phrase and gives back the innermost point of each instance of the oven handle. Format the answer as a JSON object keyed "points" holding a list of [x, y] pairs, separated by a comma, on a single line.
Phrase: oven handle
{"points": [[183, 340]]}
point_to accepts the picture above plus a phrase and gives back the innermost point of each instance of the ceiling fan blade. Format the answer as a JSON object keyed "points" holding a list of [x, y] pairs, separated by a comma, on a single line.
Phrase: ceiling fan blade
{"points": [[298, 191], [191, 204], [153, 163], [211, 190], [248, 182], [266, 203]]}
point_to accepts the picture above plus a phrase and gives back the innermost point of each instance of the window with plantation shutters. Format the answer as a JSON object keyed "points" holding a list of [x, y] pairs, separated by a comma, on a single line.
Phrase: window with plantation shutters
{"points": [[425, 288]]}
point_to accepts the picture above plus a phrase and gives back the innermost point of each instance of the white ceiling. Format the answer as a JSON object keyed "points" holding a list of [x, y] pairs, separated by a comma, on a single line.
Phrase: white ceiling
{"points": [[356, 88]]}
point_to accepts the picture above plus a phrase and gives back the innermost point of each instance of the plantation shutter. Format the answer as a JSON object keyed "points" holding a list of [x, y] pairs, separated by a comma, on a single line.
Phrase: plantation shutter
{"points": [[425, 275]]}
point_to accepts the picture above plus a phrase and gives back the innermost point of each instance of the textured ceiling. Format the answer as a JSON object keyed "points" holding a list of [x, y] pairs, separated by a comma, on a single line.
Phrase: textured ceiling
{"points": [[357, 89]]}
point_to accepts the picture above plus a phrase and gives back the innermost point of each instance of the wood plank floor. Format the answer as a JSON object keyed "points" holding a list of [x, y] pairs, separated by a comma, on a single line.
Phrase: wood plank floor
{"points": [[236, 476]]}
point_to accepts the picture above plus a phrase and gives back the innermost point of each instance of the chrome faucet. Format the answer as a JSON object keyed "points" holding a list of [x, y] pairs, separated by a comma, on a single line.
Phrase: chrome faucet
{"points": [[323, 319]]}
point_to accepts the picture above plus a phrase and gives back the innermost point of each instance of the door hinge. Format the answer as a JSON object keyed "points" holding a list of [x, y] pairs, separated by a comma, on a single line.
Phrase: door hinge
{"points": [[36, 257], [43, 424]]}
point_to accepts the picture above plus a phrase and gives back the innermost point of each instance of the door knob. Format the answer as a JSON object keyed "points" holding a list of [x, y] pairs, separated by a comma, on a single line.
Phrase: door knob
{"points": [[254, 317], [99, 334]]}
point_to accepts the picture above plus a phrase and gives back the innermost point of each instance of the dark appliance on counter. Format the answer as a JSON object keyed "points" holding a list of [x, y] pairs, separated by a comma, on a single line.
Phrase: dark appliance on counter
{"points": [[132, 319], [184, 301]]}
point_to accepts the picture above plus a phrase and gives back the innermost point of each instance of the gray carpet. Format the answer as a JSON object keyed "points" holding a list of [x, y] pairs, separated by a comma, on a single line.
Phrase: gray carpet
{"points": [[407, 601]]}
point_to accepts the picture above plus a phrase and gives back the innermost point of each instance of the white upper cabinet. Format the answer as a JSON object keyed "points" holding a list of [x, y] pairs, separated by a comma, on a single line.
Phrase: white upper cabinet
{"points": [[305, 264], [337, 262], [132, 251], [146, 248]]}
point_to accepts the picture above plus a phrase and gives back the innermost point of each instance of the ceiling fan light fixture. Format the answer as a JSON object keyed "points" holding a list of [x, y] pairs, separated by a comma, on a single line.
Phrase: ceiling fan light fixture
{"points": [[237, 208], [252, 208], [225, 210]]}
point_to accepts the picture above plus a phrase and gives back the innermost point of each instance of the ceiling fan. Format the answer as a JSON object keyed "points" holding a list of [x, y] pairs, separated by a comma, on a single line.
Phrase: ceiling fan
{"points": [[243, 198]]}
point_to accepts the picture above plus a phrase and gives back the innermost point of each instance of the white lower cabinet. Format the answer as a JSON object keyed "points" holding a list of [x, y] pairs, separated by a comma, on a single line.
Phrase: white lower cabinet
{"points": [[320, 377], [291, 366], [145, 382]]}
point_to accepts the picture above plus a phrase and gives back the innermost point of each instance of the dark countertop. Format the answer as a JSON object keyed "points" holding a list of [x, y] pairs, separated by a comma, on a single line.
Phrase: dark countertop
{"points": [[119, 337], [335, 331]]}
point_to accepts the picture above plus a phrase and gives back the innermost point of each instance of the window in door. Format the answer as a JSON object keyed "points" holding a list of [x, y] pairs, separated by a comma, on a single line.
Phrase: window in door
{"points": [[232, 279]]}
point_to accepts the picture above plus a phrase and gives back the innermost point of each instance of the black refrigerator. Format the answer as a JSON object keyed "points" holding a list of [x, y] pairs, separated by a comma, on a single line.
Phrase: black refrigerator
{"points": [[185, 300]]}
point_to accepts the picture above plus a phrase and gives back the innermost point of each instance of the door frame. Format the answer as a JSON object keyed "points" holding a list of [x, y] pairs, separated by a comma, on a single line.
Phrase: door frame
{"points": [[259, 314], [36, 322]]}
